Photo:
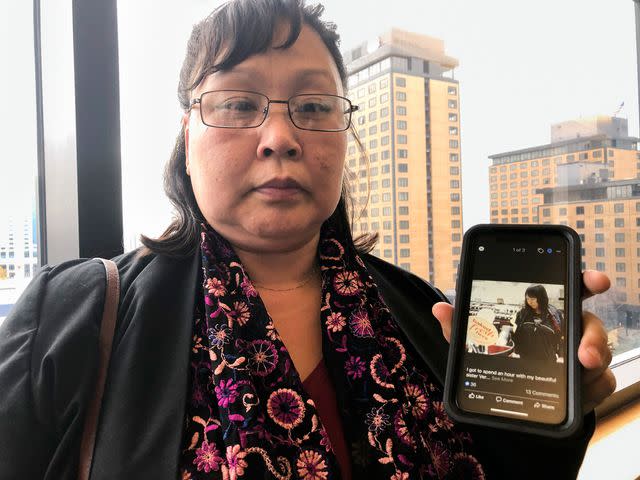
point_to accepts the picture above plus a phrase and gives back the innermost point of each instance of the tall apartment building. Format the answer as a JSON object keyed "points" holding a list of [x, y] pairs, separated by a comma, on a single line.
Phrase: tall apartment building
{"points": [[591, 144], [409, 187], [606, 215]]}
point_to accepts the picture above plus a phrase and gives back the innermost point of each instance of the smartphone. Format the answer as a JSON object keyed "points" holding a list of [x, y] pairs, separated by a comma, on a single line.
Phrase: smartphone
{"points": [[517, 324]]}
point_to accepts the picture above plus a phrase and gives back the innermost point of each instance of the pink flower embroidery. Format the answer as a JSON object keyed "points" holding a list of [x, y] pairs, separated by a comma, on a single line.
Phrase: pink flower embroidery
{"points": [[416, 400], [377, 420], [360, 324], [400, 475], [208, 457], [347, 283], [215, 287], [240, 313], [247, 288], [227, 392], [355, 367], [235, 463], [311, 466], [335, 322], [263, 357], [286, 408]]}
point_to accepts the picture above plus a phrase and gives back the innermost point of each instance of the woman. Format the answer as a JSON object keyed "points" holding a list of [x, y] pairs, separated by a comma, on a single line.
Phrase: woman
{"points": [[255, 339], [538, 332]]}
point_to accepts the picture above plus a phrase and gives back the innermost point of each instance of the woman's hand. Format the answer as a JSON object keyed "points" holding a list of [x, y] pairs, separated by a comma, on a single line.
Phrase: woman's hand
{"points": [[598, 381]]}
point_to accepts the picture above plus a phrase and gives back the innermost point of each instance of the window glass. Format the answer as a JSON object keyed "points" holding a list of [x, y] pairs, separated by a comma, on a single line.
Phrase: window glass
{"points": [[18, 166]]}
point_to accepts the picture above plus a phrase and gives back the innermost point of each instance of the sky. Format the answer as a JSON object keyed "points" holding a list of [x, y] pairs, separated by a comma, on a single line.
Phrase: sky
{"points": [[523, 66]]}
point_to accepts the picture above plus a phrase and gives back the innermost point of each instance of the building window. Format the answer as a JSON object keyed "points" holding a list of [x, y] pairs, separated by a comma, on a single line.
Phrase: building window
{"points": [[403, 224], [386, 225], [452, 90], [619, 237], [618, 207], [373, 143], [621, 281], [455, 223], [453, 130], [404, 238], [403, 182], [453, 143], [405, 252], [455, 210], [402, 139], [402, 153], [384, 98], [401, 96], [373, 129], [372, 88], [453, 157], [600, 237], [599, 252], [384, 112], [387, 253], [455, 197], [386, 183], [384, 126], [402, 125], [384, 82], [453, 104], [386, 197], [454, 171], [580, 224], [579, 210], [401, 110], [403, 196], [620, 267], [562, 211], [453, 117], [401, 82], [403, 167], [620, 252], [618, 222], [598, 209], [546, 212], [384, 140], [600, 266], [386, 239], [599, 223], [372, 102], [385, 155], [454, 184]]}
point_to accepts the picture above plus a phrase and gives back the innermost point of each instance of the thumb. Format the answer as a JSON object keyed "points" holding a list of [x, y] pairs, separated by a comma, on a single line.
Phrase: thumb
{"points": [[444, 314]]}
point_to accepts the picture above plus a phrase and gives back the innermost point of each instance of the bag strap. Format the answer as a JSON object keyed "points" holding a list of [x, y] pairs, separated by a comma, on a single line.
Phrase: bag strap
{"points": [[107, 328]]}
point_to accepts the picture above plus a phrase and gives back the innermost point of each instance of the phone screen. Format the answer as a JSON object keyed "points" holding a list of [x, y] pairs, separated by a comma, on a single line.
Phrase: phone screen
{"points": [[514, 363]]}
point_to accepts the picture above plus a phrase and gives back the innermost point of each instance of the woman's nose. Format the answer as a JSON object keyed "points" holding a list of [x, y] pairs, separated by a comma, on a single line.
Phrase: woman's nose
{"points": [[278, 135]]}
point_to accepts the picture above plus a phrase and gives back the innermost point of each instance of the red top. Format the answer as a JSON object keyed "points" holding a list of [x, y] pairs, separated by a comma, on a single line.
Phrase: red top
{"points": [[319, 387]]}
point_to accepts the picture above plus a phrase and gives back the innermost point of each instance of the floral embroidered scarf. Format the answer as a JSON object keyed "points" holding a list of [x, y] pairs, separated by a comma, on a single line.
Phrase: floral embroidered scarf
{"points": [[249, 416]]}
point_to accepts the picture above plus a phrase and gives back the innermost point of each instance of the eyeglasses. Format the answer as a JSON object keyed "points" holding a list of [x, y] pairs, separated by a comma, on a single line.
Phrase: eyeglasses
{"points": [[241, 109]]}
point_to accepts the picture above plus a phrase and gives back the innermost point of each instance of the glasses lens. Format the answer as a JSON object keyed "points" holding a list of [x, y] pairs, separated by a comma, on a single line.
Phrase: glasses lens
{"points": [[233, 108], [320, 112]]}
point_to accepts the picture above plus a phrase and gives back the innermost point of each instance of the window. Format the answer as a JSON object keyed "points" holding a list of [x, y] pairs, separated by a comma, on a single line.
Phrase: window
{"points": [[454, 184], [384, 126], [453, 117], [403, 224], [453, 143], [403, 167], [383, 99], [373, 130], [402, 153], [401, 96], [620, 252], [620, 267], [403, 196], [403, 182], [618, 222], [372, 88], [384, 112], [401, 82], [453, 157], [600, 266], [455, 210], [579, 210], [598, 209], [402, 125], [599, 237], [404, 238], [452, 90], [372, 102], [580, 224], [453, 130], [401, 110], [598, 223], [599, 252], [386, 197], [454, 171], [405, 252], [384, 140], [453, 104], [618, 207], [386, 211], [386, 182], [619, 237], [402, 139]]}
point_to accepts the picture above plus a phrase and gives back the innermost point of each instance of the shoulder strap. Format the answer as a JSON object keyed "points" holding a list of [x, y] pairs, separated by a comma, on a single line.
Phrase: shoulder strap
{"points": [[107, 327]]}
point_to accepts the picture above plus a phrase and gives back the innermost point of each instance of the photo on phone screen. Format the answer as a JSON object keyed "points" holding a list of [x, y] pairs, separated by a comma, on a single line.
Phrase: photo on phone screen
{"points": [[514, 360]]}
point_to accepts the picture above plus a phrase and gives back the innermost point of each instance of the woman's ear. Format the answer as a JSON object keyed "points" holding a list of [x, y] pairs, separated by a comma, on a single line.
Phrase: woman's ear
{"points": [[185, 126]]}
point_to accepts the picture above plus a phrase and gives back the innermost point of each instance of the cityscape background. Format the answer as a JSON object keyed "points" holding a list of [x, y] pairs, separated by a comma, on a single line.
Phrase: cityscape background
{"points": [[517, 70]]}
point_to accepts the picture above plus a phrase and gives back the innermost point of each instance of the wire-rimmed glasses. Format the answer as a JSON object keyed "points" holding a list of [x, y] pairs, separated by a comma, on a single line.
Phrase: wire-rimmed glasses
{"points": [[319, 112]]}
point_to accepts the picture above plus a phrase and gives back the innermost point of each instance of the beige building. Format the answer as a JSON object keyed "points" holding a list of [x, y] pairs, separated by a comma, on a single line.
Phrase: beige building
{"points": [[409, 187], [594, 147], [606, 215]]}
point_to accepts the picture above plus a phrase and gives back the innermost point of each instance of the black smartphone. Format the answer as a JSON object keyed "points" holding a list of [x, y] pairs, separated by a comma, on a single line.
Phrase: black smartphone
{"points": [[517, 325]]}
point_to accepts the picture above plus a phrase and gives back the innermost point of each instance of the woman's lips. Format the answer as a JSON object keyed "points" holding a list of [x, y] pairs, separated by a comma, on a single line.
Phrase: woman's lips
{"points": [[280, 189]]}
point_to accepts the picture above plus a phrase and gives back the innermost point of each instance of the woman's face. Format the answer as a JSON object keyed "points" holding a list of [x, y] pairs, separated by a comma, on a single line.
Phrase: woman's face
{"points": [[270, 188], [532, 302]]}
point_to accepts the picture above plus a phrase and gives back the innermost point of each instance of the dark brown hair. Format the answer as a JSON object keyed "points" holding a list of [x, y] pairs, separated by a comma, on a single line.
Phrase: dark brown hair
{"points": [[220, 42]]}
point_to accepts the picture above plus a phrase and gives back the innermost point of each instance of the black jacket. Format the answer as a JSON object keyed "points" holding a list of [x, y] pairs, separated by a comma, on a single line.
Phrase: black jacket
{"points": [[48, 362]]}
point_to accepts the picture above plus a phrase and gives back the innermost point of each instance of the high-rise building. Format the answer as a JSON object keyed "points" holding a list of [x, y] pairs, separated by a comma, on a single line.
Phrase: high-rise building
{"points": [[409, 187], [597, 147], [606, 215]]}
